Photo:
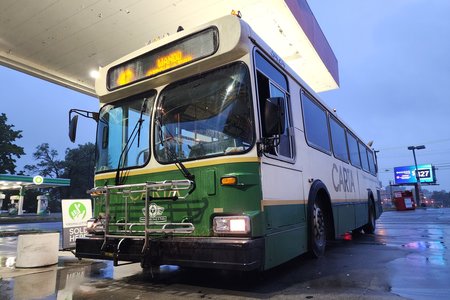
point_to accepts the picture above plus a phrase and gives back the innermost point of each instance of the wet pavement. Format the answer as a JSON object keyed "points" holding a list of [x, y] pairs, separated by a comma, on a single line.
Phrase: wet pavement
{"points": [[408, 257]]}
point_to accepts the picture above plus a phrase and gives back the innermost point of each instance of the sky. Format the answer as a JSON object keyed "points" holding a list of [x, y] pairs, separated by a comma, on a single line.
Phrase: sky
{"points": [[394, 70], [394, 85]]}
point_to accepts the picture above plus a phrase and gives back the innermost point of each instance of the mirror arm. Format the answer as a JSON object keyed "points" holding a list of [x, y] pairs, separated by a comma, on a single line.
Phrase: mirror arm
{"points": [[84, 113]]}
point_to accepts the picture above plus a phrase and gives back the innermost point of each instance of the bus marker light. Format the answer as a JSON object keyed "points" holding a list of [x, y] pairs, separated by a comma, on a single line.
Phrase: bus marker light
{"points": [[347, 236], [228, 180]]}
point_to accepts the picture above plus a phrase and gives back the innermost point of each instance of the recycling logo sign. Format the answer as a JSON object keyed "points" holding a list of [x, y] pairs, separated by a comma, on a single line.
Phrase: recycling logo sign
{"points": [[77, 211], [75, 214]]}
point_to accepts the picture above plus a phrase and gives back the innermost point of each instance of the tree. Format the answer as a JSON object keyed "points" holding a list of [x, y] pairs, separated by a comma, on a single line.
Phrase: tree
{"points": [[48, 163], [442, 197], [8, 150], [79, 168]]}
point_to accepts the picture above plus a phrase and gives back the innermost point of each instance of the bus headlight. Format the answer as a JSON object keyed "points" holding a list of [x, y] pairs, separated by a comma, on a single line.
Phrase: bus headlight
{"points": [[231, 225]]}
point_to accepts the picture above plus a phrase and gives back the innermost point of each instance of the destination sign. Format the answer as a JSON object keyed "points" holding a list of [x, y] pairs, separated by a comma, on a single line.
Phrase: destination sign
{"points": [[165, 58]]}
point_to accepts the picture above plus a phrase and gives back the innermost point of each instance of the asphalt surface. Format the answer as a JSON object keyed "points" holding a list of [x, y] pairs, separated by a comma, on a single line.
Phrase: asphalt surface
{"points": [[408, 257], [6, 219]]}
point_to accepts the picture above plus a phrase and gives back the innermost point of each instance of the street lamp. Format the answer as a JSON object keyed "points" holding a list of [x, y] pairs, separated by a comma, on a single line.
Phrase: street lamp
{"points": [[414, 148]]}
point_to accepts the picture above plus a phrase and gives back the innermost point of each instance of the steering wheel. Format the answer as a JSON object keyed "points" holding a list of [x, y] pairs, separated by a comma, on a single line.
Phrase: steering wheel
{"points": [[145, 153]]}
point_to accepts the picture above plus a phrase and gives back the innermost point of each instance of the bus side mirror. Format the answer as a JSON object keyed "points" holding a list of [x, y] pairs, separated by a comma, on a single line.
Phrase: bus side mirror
{"points": [[73, 128], [273, 122], [73, 121]]}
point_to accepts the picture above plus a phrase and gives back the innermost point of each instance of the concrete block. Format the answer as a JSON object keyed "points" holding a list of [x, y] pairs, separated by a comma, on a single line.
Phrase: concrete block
{"points": [[37, 250]]}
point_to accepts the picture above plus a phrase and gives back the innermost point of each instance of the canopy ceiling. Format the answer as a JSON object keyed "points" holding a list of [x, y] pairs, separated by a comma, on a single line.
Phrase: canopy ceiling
{"points": [[63, 41]]}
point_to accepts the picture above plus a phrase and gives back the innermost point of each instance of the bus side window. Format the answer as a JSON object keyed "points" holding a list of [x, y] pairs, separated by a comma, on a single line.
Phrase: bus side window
{"points": [[272, 83], [316, 125], [364, 157], [353, 149], [372, 166]]}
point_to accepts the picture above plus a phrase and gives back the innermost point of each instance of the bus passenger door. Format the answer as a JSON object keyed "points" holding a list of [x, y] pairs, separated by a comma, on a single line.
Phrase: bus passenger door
{"points": [[282, 186]]}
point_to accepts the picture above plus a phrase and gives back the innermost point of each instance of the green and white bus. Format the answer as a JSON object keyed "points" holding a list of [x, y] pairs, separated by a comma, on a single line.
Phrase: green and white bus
{"points": [[212, 153]]}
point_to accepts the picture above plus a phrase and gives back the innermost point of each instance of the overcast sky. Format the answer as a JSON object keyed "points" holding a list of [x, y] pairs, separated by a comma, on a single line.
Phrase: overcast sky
{"points": [[394, 72]]}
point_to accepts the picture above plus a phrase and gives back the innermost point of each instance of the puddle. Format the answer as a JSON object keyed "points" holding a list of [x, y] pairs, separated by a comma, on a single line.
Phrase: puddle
{"points": [[69, 277], [422, 245]]}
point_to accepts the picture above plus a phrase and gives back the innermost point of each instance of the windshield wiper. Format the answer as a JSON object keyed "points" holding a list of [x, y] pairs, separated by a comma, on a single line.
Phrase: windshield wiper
{"points": [[178, 163], [141, 120], [135, 133]]}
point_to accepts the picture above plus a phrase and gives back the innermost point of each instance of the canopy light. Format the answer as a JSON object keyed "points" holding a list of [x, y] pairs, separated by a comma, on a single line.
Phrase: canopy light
{"points": [[94, 74]]}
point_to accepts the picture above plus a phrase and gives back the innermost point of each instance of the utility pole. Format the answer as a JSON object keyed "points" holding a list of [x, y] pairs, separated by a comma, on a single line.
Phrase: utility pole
{"points": [[417, 185]]}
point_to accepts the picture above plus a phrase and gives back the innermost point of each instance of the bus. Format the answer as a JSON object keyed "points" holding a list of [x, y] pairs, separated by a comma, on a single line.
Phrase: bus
{"points": [[212, 153]]}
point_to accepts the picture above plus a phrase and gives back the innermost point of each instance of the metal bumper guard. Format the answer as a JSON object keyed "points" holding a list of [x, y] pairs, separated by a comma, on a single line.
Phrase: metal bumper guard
{"points": [[215, 252]]}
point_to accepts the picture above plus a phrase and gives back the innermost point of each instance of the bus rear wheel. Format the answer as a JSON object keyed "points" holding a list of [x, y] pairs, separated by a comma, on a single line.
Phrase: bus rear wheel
{"points": [[369, 228], [317, 231]]}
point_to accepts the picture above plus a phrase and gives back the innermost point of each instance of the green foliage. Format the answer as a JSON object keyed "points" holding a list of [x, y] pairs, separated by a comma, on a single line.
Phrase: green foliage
{"points": [[8, 150], [441, 197], [79, 168], [48, 163]]}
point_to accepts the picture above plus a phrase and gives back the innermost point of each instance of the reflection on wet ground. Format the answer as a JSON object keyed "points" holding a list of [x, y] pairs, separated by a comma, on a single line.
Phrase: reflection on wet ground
{"points": [[408, 257], [422, 273], [45, 226]]}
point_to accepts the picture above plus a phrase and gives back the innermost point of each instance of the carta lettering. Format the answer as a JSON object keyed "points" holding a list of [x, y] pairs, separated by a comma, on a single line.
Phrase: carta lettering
{"points": [[342, 179]]}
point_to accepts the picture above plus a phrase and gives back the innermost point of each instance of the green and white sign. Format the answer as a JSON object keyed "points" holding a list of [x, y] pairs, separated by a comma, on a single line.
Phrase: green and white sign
{"points": [[38, 180], [75, 214]]}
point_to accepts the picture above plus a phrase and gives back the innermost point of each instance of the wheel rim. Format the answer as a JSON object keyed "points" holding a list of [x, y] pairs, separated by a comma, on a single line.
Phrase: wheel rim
{"points": [[319, 226]]}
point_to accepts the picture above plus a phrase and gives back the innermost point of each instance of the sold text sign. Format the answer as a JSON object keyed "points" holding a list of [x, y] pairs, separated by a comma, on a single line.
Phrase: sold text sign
{"points": [[75, 214]]}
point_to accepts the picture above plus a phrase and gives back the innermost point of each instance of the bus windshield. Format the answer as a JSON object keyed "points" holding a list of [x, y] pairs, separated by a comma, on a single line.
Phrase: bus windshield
{"points": [[204, 116], [123, 133]]}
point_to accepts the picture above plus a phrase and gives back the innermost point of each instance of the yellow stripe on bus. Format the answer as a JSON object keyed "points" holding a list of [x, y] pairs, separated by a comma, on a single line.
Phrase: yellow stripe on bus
{"points": [[172, 167], [281, 202]]}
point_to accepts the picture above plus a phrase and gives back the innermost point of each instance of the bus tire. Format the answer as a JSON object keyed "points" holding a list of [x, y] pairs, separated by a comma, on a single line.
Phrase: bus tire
{"points": [[369, 228], [317, 229]]}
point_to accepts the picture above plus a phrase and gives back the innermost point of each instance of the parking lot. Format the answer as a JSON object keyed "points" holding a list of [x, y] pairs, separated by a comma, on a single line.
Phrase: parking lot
{"points": [[407, 258]]}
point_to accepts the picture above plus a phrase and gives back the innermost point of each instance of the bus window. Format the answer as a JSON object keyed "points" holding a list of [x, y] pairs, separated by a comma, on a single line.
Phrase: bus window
{"points": [[270, 71], [123, 133], [272, 83], [204, 116], [338, 140], [371, 162], [353, 150], [316, 127], [364, 159]]}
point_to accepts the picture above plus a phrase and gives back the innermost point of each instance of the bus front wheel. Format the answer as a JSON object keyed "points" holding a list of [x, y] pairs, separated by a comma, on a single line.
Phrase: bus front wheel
{"points": [[317, 231]]}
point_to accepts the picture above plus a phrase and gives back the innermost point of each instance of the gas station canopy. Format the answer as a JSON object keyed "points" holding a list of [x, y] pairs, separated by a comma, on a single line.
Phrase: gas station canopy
{"points": [[65, 41], [16, 182]]}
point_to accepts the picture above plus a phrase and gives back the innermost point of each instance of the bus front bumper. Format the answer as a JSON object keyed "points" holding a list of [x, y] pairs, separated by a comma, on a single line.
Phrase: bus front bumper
{"points": [[216, 252]]}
